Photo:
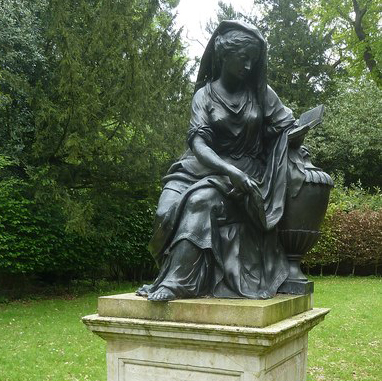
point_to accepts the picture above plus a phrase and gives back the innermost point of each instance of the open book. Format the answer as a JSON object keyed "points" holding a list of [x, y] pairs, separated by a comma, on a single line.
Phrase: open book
{"points": [[308, 120], [312, 117]]}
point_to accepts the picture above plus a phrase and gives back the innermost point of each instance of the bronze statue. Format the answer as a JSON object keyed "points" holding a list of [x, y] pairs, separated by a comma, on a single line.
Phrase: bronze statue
{"points": [[217, 224]]}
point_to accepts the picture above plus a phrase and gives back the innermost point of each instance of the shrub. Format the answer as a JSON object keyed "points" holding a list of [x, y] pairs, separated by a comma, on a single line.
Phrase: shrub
{"points": [[359, 237], [35, 240], [126, 249], [351, 232]]}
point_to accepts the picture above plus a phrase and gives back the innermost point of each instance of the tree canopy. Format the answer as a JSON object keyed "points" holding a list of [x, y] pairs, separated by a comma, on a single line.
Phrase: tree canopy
{"points": [[96, 93], [300, 68], [357, 33], [349, 140]]}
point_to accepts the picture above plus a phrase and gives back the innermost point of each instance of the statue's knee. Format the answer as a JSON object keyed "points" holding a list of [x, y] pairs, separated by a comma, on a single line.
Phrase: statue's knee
{"points": [[195, 201], [203, 198], [161, 211], [167, 199]]}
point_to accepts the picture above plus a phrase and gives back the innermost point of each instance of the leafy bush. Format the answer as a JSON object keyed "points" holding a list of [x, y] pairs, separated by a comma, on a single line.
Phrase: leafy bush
{"points": [[349, 140], [359, 237], [126, 248], [34, 238], [351, 232]]}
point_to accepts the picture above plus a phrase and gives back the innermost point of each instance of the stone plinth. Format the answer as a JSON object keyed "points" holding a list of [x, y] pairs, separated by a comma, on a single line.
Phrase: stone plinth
{"points": [[240, 312], [206, 339]]}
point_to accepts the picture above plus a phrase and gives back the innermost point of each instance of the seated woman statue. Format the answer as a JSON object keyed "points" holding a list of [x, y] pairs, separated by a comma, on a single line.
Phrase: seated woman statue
{"points": [[215, 232]]}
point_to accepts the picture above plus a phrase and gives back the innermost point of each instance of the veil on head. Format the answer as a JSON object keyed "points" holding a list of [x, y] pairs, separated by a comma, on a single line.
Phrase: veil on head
{"points": [[209, 68]]}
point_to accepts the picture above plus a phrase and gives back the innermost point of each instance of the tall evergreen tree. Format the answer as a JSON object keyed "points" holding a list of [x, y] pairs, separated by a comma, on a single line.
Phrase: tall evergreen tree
{"points": [[22, 63], [98, 98], [299, 63]]}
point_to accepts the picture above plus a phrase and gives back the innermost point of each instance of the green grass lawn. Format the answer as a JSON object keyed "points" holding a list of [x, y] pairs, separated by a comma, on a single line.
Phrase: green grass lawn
{"points": [[348, 344], [44, 340]]}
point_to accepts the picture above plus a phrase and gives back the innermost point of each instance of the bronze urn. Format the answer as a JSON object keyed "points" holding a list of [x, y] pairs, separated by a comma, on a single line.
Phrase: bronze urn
{"points": [[305, 208]]}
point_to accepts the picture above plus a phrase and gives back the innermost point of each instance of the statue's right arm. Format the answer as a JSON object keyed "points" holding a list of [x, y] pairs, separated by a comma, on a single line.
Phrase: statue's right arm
{"points": [[209, 158]]}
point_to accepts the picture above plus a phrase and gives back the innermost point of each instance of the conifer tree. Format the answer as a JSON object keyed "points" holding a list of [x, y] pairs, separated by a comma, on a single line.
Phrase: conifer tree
{"points": [[98, 98]]}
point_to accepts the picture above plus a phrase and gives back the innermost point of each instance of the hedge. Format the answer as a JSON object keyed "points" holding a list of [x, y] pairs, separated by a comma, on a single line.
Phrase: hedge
{"points": [[351, 233], [34, 240]]}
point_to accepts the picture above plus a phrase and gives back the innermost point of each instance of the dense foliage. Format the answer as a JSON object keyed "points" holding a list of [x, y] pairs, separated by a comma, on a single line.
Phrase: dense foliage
{"points": [[356, 31], [350, 139], [95, 102], [351, 238], [34, 238], [97, 95], [300, 66]]}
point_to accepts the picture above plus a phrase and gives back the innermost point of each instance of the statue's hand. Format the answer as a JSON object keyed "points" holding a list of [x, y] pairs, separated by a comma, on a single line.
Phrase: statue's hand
{"points": [[240, 181]]}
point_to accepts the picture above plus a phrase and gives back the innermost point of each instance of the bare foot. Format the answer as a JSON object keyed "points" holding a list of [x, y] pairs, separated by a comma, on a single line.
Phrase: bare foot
{"points": [[144, 290], [163, 294], [264, 295]]}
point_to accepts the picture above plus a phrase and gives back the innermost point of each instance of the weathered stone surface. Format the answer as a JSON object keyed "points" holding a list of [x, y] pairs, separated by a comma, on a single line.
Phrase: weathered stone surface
{"points": [[236, 312], [148, 350]]}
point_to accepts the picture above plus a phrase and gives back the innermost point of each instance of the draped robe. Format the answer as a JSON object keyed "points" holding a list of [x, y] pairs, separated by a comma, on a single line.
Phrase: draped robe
{"points": [[239, 251]]}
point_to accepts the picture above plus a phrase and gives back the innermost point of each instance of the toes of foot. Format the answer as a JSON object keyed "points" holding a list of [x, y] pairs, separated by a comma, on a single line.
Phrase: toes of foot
{"points": [[264, 295], [161, 296]]}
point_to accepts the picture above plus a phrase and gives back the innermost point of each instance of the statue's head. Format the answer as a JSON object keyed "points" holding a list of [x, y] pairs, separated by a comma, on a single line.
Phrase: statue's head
{"points": [[229, 40], [237, 50]]}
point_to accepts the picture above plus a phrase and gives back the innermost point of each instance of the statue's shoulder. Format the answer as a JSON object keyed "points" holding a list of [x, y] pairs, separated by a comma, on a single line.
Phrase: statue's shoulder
{"points": [[271, 98], [203, 90], [203, 94]]}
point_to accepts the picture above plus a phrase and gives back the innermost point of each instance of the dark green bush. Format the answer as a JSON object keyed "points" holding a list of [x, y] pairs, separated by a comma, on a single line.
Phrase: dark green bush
{"points": [[34, 239], [126, 249]]}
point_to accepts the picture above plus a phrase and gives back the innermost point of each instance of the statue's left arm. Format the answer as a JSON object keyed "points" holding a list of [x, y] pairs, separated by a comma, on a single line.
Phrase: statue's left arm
{"points": [[279, 118]]}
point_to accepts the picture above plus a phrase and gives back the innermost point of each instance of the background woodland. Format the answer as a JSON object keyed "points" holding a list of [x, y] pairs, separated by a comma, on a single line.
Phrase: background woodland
{"points": [[94, 107]]}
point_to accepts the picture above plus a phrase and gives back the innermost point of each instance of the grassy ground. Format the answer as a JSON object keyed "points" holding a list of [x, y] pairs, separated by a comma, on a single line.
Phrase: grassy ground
{"points": [[45, 340], [347, 346]]}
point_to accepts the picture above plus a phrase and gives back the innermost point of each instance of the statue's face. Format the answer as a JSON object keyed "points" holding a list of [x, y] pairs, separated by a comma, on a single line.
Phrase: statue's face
{"points": [[240, 62]]}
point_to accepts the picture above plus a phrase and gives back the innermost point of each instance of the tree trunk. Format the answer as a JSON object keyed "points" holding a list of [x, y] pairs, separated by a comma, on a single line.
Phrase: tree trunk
{"points": [[337, 266], [368, 56]]}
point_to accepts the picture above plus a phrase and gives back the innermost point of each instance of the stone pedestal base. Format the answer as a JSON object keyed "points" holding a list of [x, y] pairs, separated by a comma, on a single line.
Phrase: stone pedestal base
{"points": [[154, 350]]}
